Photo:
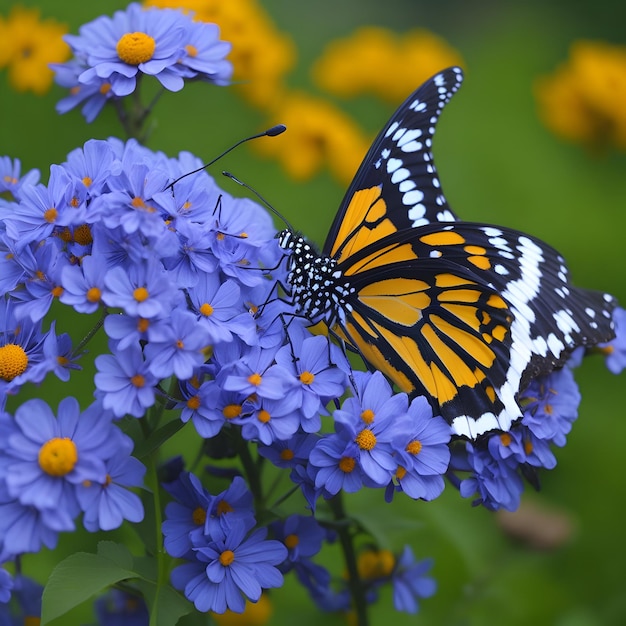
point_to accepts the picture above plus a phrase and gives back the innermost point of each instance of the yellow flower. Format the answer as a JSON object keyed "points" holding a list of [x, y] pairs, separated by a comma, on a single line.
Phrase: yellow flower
{"points": [[373, 564], [376, 60], [317, 134], [255, 614], [261, 55], [584, 100], [27, 45]]}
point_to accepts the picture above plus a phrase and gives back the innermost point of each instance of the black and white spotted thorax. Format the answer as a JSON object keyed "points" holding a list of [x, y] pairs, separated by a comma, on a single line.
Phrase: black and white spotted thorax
{"points": [[318, 288]]}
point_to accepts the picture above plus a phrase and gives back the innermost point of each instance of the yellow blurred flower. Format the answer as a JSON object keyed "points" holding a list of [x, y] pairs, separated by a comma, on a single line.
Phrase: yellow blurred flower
{"points": [[377, 60], [374, 564], [261, 54], [255, 614], [27, 45], [317, 134], [584, 100]]}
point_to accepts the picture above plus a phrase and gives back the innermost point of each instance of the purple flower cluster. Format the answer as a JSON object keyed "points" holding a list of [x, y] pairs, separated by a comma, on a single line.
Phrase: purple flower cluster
{"points": [[112, 53]]}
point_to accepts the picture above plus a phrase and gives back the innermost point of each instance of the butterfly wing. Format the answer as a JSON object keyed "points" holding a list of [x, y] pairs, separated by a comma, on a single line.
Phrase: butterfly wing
{"points": [[400, 165], [467, 314]]}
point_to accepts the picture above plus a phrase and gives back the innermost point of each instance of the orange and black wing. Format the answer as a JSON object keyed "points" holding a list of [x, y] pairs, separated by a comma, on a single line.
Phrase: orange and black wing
{"points": [[467, 314], [399, 163]]}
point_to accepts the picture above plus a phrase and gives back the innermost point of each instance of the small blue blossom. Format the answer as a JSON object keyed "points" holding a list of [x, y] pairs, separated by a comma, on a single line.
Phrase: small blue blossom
{"points": [[121, 608], [302, 536], [496, 482], [410, 582], [551, 405], [422, 453], [108, 503], [124, 382], [186, 515], [142, 290], [230, 569], [11, 178], [180, 347]]}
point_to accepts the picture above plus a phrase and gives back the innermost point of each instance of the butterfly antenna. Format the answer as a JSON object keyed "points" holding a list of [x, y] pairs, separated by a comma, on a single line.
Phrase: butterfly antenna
{"points": [[270, 132], [261, 198]]}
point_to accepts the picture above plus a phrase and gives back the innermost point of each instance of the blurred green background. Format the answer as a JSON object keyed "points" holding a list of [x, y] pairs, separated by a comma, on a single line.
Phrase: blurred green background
{"points": [[498, 164]]}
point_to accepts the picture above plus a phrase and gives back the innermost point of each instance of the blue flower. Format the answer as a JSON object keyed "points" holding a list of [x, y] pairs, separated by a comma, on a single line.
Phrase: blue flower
{"points": [[232, 506], [551, 405], [108, 503], [6, 584], [496, 482], [256, 374], [121, 608], [180, 348], [302, 536], [317, 379], [422, 452], [334, 462], [205, 54], [11, 179], [132, 42], [218, 308], [124, 382], [83, 285], [410, 582], [50, 456], [143, 289], [228, 570], [372, 420], [186, 515]]}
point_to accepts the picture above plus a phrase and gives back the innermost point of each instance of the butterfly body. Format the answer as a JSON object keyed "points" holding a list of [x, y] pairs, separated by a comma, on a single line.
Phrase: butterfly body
{"points": [[463, 313]]}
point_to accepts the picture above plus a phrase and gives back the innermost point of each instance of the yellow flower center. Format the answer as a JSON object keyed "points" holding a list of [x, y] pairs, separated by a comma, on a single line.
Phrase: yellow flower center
{"points": [[206, 309], [367, 416], [286, 454], [231, 411], [400, 472], [199, 516], [135, 48], [255, 379], [347, 464], [58, 456], [291, 541], [140, 294], [191, 50], [94, 294], [263, 416], [307, 378], [193, 403], [142, 325], [223, 507], [505, 439], [138, 380], [51, 215], [414, 447], [82, 235], [13, 361], [227, 557], [366, 439]]}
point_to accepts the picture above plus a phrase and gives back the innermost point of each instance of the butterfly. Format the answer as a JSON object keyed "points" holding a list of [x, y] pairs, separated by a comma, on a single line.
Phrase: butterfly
{"points": [[466, 314]]}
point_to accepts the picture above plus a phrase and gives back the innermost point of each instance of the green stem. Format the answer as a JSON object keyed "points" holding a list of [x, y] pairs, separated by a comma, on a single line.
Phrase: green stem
{"points": [[346, 535], [253, 474], [90, 335], [152, 482]]}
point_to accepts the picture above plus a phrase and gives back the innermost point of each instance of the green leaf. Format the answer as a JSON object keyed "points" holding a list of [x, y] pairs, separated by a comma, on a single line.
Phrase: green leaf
{"points": [[80, 576], [118, 553], [166, 605]]}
